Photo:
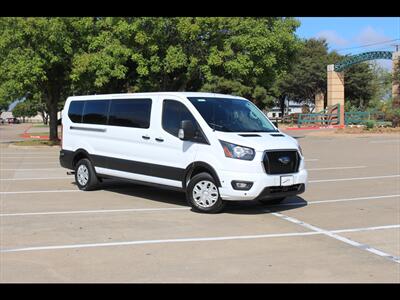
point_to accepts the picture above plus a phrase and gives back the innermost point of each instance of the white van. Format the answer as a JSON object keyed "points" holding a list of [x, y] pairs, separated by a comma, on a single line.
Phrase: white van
{"points": [[213, 147]]}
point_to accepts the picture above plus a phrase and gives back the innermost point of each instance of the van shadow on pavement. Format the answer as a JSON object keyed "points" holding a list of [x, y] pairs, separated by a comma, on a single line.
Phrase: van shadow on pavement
{"points": [[178, 198]]}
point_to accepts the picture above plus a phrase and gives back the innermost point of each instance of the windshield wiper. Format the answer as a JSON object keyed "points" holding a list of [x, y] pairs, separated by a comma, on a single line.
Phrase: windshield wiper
{"points": [[220, 126]]}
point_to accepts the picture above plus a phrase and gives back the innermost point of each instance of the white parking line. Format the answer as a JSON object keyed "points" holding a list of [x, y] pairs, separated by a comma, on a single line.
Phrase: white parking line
{"points": [[336, 168], [38, 169], [173, 208], [384, 141], [369, 228], [35, 157], [332, 234], [354, 178], [39, 192], [185, 240], [15, 154], [36, 178], [339, 200], [31, 163], [95, 211]]}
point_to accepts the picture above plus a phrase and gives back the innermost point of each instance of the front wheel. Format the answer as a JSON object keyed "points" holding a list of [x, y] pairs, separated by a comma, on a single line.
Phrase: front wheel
{"points": [[202, 194]]}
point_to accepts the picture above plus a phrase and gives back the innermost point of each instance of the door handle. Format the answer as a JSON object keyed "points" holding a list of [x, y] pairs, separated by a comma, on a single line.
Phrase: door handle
{"points": [[159, 140], [145, 137]]}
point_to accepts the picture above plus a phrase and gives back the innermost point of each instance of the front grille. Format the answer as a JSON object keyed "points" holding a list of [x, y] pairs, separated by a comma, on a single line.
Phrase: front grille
{"points": [[274, 161]]}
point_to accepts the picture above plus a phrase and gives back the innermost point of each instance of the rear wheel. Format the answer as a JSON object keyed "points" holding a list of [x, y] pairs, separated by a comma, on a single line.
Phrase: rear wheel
{"points": [[85, 175], [202, 194], [272, 201]]}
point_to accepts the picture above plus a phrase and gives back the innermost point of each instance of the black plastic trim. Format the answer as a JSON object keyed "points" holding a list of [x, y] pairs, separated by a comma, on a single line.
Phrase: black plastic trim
{"points": [[66, 159], [202, 164], [268, 194], [266, 163], [157, 185], [138, 167]]}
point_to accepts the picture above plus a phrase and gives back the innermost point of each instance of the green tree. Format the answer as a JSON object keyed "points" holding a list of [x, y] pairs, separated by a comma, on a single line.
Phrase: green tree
{"points": [[359, 88], [308, 76], [236, 55], [24, 110], [36, 56], [381, 86]]}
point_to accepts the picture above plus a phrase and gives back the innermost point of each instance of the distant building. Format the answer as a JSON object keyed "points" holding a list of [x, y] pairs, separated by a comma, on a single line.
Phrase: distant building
{"points": [[8, 114], [291, 107]]}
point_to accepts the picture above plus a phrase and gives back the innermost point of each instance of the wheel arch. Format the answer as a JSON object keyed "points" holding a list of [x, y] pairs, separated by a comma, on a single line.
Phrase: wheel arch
{"points": [[196, 168], [80, 154]]}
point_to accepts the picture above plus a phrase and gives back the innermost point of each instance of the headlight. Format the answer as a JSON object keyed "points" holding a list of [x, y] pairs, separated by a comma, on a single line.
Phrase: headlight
{"points": [[236, 151]]}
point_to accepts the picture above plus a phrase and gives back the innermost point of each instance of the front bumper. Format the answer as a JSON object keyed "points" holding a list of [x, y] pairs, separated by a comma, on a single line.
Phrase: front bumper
{"points": [[265, 186]]}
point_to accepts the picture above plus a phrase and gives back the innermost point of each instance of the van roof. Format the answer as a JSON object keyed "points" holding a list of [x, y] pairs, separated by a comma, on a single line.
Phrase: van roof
{"points": [[125, 95]]}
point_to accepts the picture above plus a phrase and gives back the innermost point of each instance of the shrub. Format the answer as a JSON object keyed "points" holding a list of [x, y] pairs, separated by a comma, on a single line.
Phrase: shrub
{"points": [[370, 124]]}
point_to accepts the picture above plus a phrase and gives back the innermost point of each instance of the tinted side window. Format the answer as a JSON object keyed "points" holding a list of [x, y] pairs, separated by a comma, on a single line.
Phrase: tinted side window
{"points": [[75, 111], [95, 112], [130, 113], [173, 113]]}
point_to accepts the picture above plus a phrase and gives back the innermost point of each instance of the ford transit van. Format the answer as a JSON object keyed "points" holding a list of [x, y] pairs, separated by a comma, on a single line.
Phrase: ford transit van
{"points": [[213, 147]]}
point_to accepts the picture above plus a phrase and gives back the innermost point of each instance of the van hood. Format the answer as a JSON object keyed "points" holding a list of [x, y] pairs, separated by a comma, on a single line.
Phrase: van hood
{"points": [[259, 141]]}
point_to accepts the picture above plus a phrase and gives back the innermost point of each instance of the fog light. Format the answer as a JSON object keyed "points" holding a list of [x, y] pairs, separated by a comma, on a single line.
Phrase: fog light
{"points": [[242, 185]]}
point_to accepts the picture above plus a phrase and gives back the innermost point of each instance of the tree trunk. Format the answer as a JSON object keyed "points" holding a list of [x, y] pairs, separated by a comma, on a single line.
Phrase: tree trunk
{"points": [[53, 122], [53, 93], [282, 104]]}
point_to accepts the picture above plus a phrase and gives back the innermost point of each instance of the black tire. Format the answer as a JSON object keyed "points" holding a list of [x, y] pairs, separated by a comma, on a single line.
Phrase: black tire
{"points": [[217, 207], [92, 181], [272, 201]]}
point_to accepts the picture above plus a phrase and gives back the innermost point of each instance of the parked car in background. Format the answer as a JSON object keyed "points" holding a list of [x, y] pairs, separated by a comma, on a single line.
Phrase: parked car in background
{"points": [[13, 121]]}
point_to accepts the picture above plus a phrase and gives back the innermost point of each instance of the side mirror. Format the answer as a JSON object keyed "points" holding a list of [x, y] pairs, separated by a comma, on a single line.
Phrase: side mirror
{"points": [[187, 130]]}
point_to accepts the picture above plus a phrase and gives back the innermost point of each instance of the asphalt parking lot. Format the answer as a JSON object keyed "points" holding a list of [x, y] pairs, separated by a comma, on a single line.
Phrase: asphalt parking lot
{"points": [[344, 228]]}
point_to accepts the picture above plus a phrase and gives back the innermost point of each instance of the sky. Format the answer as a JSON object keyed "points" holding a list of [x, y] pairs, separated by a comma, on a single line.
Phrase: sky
{"points": [[343, 33]]}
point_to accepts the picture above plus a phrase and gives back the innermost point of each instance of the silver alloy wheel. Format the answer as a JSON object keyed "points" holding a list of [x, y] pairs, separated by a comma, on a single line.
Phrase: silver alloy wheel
{"points": [[205, 193], [82, 175]]}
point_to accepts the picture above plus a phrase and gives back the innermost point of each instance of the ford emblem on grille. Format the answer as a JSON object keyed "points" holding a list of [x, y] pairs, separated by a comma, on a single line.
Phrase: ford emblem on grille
{"points": [[284, 160]]}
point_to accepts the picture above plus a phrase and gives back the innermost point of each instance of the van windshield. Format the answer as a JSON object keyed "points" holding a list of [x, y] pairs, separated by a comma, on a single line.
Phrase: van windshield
{"points": [[232, 115]]}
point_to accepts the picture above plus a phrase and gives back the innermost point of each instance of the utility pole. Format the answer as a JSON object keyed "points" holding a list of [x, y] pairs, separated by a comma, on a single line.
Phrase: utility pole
{"points": [[396, 46]]}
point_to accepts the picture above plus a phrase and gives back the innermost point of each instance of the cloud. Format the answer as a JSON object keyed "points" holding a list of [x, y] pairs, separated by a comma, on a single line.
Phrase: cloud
{"points": [[369, 35], [332, 37]]}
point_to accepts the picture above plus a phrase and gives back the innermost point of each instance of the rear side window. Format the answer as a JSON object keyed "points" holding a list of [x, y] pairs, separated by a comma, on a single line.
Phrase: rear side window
{"points": [[130, 113], [173, 113], [95, 112], [75, 111]]}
